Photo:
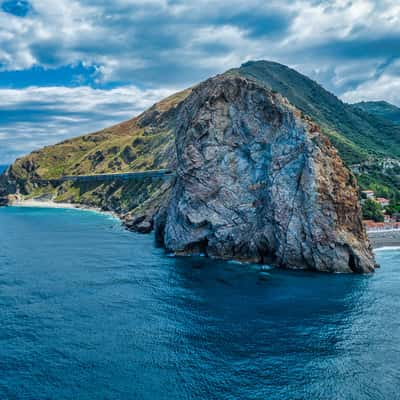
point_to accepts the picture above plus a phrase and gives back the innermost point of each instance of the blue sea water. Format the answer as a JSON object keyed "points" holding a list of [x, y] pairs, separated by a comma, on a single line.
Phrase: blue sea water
{"points": [[90, 311], [2, 168]]}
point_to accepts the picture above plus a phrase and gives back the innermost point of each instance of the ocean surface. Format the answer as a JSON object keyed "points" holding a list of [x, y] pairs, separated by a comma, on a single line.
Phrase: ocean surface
{"points": [[90, 311]]}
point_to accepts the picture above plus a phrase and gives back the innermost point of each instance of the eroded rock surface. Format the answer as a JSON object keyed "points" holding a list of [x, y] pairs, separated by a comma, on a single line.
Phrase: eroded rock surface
{"points": [[256, 181]]}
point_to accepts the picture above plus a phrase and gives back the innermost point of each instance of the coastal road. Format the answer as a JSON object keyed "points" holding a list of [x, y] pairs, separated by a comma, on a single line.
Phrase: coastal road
{"points": [[150, 174]]}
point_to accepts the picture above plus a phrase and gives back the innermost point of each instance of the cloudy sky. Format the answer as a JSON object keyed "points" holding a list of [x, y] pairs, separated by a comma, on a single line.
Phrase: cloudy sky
{"points": [[69, 67]]}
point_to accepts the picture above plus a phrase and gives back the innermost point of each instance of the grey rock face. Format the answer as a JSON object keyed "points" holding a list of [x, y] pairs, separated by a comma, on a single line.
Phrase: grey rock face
{"points": [[7, 186], [258, 182]]}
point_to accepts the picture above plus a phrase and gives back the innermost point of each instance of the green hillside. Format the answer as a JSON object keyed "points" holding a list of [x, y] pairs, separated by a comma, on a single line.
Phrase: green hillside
{"points": [[381, 109], [357, 135], [382, 176], [145, 142]]}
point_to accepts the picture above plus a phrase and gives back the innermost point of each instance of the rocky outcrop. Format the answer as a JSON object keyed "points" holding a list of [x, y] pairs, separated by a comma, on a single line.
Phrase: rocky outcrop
{"points": [[141, 220], [257, 181], [8, 186], [3, 195]]}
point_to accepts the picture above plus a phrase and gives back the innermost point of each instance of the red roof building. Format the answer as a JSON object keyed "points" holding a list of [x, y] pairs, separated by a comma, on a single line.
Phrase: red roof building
{"points": [[382, 201]]}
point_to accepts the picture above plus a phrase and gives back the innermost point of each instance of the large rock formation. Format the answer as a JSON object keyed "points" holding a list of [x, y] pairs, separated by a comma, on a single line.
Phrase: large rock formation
{"points": [[257, 181]]}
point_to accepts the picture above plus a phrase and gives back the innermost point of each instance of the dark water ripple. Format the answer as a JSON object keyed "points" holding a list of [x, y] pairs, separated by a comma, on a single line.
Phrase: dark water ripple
{"points": [[89, 311]]}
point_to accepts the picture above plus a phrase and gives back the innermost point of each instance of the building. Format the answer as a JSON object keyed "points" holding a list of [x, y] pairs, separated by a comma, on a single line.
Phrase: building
{"points": [[381, 226], [389, 219], [382, 201], [368, 194]]}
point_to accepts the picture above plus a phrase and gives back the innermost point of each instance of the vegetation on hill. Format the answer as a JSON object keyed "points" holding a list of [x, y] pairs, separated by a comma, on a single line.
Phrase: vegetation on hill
{"points": [[383, 177], [373, 211], [384, 181], [145, 142], [381, 109], [357, 135]]}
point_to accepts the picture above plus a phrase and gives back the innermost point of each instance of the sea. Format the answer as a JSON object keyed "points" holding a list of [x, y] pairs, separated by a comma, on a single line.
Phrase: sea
{"points": [[91, 311]]}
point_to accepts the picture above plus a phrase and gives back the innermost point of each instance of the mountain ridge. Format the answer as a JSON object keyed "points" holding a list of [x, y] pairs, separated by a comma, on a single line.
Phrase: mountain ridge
{"points": [[381, 109], [357, 135]]}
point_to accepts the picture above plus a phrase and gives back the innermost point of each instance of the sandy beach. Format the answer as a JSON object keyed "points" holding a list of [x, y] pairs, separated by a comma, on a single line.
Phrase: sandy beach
{"points": [[52, 204], [382, 239], [42, 204]]}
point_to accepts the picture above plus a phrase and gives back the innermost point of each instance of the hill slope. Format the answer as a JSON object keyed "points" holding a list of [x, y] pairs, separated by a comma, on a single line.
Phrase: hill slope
{"points": [[383, 175], [381, 109], [142, 143], [147, 142], [356, 134]]}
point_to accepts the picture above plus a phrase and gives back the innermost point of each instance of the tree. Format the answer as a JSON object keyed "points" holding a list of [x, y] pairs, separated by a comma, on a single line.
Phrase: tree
{"points": [[393, 208], [373, 210]]}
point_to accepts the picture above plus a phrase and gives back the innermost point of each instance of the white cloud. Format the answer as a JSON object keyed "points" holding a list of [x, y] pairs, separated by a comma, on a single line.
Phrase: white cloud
{"points": [[123, 36], [128, 39], [80, 99], [386, 87], [343, 19]]}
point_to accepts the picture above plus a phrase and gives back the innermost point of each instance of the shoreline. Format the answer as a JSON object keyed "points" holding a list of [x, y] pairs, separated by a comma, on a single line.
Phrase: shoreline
{"points": [[380, 240], [384, 240], [386, 248], [32, 203]]}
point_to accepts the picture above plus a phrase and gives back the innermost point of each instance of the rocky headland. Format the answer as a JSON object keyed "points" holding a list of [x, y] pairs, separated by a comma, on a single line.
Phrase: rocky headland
{"points": [[257, 182], [257, 178]]}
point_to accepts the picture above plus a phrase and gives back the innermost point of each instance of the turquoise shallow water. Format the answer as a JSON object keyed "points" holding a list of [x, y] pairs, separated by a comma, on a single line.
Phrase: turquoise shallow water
{"points": [[90, 311]]}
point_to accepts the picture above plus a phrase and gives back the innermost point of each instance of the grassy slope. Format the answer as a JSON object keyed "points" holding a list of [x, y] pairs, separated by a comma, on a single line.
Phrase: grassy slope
{"points": [[137, 144], [145, 142]]}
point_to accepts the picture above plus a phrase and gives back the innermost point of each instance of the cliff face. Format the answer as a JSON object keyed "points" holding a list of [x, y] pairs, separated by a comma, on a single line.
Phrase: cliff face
{"points": [[257, 182], [7, 186]]}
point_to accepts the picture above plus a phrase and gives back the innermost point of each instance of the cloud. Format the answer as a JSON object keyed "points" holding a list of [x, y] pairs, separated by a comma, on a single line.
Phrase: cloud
{"points": [[35, 117], [174, 42], [385, 87], [136, 40]]}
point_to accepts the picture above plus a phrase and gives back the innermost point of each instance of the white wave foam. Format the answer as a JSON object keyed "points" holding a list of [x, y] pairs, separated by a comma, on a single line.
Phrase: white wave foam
{"points": [[387, 248]]}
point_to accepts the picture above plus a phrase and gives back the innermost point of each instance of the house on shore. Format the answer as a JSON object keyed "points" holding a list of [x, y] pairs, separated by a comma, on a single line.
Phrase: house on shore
{"points": [[368, 194], [382, 201]]}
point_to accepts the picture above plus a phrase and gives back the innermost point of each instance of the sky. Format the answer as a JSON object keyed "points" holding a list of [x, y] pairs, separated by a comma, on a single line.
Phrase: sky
{"points": [[70, 67]]}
